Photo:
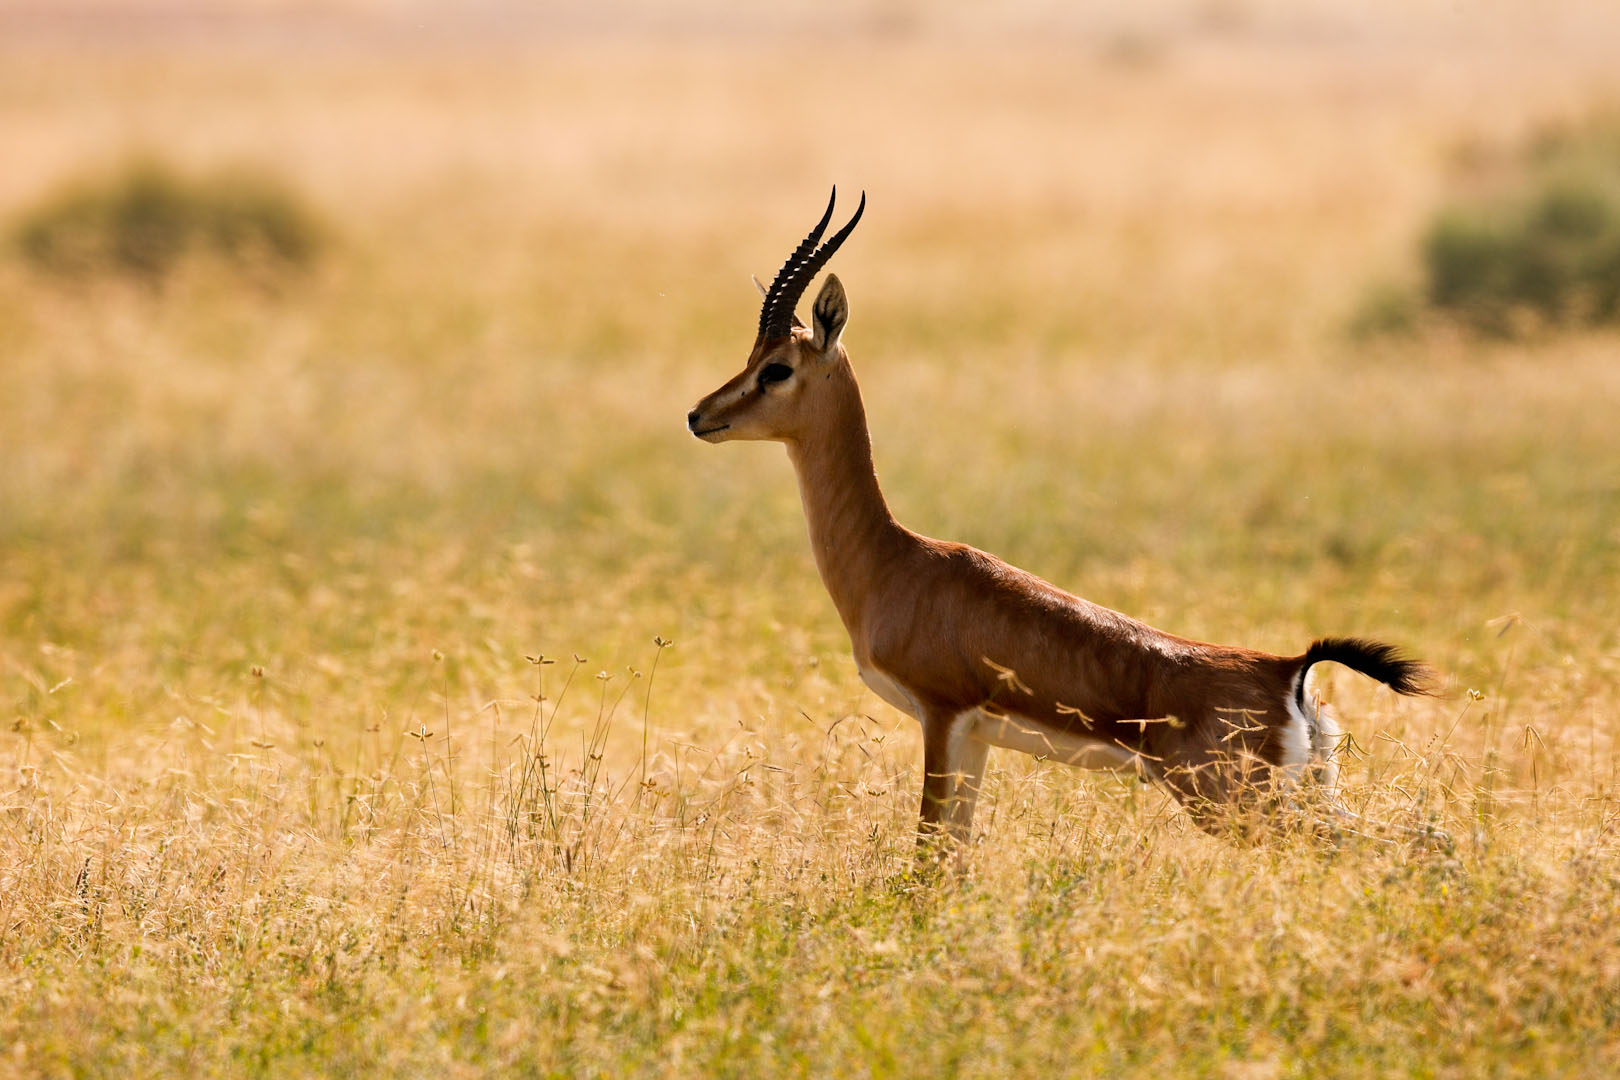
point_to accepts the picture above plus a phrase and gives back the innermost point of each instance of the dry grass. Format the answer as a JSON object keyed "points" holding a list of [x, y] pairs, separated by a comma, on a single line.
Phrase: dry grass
{"points": [[278, 797]]}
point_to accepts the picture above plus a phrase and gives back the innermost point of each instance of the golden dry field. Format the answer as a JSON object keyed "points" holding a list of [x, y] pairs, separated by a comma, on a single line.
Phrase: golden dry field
{"points": [[334, 735]]}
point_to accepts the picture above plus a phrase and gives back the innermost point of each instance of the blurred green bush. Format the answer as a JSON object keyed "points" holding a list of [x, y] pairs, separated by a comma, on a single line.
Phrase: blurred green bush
{"points": [[143, 219], [1543, 248], [1535, 244]]}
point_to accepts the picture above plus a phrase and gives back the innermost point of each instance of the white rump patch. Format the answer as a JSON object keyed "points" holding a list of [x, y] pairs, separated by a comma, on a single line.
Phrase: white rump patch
{"points": [[1296, 736], [1311, 738], [1325, 748]]}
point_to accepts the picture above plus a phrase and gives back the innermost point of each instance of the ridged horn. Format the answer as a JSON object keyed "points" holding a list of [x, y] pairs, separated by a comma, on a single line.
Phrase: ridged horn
{"points": [[776, 314]]}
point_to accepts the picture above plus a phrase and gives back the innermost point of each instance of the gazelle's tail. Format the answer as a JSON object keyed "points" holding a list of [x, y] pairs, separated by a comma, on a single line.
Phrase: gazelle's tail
{"points": [[1373, 659]]}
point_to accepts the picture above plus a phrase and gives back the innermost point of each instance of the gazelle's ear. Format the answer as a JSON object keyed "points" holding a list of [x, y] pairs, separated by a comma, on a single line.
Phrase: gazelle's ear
{"points": [[830, 314]]}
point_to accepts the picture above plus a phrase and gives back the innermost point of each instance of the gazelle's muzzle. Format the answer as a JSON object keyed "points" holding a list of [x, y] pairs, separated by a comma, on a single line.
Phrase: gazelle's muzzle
{"points": [[722, 410], [707, 430]]}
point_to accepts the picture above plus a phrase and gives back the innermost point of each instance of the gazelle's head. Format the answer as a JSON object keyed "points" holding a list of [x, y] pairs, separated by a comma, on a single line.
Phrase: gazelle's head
{"points": [[778, 394]]}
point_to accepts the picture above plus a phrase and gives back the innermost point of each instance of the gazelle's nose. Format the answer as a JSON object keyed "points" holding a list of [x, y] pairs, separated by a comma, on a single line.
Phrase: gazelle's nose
{"points": [[692, 420]]}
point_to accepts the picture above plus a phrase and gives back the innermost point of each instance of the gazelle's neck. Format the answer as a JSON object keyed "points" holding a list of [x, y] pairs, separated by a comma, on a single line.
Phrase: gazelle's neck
{"points": [[852, 532]]}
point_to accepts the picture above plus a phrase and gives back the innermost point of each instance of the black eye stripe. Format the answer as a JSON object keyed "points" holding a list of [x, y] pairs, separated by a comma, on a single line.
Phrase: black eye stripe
{"points": [[774, 373]]}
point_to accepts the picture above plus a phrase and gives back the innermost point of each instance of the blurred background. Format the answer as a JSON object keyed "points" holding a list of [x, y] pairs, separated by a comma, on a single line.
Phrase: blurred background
{"points": [[335, 333], [347, 512]]}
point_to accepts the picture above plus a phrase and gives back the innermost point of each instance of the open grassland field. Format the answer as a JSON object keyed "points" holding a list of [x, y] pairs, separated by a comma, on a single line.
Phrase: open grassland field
{"points": [[283, 791]]}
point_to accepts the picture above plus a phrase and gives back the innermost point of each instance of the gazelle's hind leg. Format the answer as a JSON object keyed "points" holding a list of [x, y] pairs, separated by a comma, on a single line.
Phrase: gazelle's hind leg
{"points": [[1316, 779], [1306, 781], [1213, 785], [1326, 739], [1256, 771]]}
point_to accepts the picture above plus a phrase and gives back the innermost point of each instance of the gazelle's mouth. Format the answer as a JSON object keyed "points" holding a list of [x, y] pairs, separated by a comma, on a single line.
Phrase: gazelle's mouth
{"points": [[711, 431]]}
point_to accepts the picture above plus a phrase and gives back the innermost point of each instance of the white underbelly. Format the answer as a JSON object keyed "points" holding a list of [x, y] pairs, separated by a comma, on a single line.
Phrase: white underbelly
{"points": [[1029, 737], [1016, 732]]}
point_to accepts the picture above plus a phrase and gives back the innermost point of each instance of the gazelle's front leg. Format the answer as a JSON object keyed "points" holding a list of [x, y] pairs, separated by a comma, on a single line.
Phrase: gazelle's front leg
{"points": [[969, 780], [953, 770]]}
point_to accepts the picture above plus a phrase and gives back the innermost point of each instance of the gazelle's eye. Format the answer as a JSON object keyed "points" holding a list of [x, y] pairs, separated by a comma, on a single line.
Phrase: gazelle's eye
{"points": [[774, 373]]}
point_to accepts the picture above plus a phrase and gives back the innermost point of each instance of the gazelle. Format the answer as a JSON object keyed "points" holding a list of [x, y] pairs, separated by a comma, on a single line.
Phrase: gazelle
{"points": [[984, 654]]}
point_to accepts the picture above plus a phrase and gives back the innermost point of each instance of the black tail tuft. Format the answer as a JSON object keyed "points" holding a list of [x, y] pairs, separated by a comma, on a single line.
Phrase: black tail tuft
{"points": [[1372, 658]]}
